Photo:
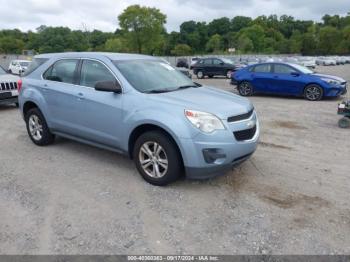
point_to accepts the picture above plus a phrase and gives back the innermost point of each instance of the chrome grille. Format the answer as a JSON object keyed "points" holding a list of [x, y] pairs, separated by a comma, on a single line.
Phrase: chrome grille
{"points": [[8, 86]]}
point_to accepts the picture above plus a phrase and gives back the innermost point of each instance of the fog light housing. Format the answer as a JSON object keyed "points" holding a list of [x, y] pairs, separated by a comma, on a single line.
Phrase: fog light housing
{"points": [[211, 155]]}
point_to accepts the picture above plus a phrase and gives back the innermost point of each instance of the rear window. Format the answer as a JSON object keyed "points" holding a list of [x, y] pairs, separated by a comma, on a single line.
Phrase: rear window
{"points": [[34, 65]]}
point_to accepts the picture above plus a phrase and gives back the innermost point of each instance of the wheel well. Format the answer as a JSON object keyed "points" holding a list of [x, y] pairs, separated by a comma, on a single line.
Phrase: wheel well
{"points": [[138, 131], [27, 106]]}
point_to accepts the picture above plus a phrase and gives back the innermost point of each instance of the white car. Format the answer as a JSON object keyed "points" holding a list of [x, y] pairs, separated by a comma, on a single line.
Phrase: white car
{"points": [[325, 61], [8, 88], [17, 67], [307, 62]]}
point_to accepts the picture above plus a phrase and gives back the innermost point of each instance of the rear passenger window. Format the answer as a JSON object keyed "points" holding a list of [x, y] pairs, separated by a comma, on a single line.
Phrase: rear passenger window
{"points": [[266, 68], [208, 62], [62, 71], [93, 72]]}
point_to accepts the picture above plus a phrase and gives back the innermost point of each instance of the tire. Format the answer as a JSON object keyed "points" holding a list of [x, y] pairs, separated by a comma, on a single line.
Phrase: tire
{"points": [[344, 122], [37, 128], [10, 71], [200, 74], [228, 74], [313, 92], [17, 104], [158, 169], [245, 88], [210, 76]]}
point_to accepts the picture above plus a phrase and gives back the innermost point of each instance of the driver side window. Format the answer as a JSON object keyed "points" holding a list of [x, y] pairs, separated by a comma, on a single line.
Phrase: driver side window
{"points": [[283, 69], [93, 71]]}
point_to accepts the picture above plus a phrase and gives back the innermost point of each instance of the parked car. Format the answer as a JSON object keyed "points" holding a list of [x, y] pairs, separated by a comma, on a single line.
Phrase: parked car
{"points": [[214, 67], [184, 71], [287, 79], [307, 62], [158, 117], [8, 88], [18, 67], [325, 61], [182, 62], [194, 60]]}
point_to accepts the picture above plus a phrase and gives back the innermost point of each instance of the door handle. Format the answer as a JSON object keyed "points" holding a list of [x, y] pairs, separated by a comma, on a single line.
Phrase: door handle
{"points": [[275, 77]]}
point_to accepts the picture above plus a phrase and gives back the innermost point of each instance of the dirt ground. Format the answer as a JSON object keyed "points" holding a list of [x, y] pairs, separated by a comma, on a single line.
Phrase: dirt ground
{"points": [[291, 197]]}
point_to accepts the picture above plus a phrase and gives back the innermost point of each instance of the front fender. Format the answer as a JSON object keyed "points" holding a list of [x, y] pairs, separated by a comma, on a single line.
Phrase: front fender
{"points": [[174, 123]]}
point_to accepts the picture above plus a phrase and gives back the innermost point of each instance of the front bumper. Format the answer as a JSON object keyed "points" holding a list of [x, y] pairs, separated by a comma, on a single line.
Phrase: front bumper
{"points": [[336, 90], [210, 155], [11, 100]]}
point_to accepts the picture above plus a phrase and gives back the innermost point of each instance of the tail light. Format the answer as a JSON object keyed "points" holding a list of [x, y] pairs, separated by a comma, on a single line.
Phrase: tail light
{"points": [[19, 85]]}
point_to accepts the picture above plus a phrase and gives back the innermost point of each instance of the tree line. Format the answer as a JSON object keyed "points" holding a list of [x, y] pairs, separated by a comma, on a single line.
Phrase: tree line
{"points": [[142, 30]]}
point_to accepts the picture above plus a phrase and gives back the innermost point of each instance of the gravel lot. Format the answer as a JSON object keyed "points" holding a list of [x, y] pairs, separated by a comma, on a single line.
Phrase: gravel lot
{"points": [[292, 197]]}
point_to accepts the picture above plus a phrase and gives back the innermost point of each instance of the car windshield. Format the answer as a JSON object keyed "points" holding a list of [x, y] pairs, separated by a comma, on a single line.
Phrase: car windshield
{"points": [[303, 69], [2, 71], [155, 76], [24, 63], [227, 61]]}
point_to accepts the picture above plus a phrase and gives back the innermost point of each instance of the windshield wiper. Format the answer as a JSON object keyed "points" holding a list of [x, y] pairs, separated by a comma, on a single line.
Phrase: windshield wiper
{"points": [[158, 91], [188, 86]]}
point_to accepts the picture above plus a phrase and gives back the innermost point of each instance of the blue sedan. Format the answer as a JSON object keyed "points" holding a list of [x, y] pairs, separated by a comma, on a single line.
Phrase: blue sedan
{"points": [[287, 79]]}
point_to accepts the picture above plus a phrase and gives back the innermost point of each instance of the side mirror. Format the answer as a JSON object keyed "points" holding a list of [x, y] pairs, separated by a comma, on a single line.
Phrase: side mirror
{"points": [[108, 86], [222, 63], [295, 74]]}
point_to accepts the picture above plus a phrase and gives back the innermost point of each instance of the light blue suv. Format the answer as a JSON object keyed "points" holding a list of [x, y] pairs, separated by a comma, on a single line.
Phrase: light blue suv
{"points": [[140, 106]]}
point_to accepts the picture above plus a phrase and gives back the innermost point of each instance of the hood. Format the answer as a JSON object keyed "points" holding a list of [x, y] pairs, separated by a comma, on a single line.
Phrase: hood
{"points": [[208, 99], [330, 77], [8, 78]]}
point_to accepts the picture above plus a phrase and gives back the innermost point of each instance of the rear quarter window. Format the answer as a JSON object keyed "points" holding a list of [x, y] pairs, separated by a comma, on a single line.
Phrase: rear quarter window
{"points": [[34, 65]]}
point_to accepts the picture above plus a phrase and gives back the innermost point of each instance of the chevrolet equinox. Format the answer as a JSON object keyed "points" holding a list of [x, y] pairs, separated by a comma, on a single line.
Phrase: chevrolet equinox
{"points": [[139, 106]]}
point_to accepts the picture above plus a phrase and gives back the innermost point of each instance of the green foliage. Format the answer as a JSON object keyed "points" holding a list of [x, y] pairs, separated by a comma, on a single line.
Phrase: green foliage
{"points": [[181, 50], [142, 31], [142, 28]]}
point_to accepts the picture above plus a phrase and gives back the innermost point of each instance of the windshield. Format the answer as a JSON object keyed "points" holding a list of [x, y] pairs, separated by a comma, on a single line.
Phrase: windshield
{"points": [[303, 69], [152, 75], [24, 63], [2, 71]]}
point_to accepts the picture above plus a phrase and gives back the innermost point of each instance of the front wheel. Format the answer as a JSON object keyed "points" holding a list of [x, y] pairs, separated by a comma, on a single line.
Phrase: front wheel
{"points": [[37, 128], [313, 92], [245, 88], [157, 158]]}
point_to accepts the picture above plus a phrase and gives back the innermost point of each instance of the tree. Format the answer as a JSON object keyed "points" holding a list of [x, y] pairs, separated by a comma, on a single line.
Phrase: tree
{"points": [[181, 50], [329, 38], [142, 28], [115, 45], [214, 43], [245, 44]]}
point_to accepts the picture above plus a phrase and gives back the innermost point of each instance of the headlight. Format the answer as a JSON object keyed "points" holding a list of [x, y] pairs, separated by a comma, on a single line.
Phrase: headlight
{"points": [[331, 81], [205, 122]]}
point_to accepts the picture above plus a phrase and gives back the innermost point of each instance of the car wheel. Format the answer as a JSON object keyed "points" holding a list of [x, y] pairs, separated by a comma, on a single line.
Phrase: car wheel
{"points": [[200, 75], [313, 92], [37, 128], [210, 76], [245, 88], [17, 104], [10, 71], [344, 122], [229, 74], [157, 158]]}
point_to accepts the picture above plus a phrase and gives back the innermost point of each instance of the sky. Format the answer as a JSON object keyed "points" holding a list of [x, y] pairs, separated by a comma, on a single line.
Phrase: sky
{"points": [[103, 14]]}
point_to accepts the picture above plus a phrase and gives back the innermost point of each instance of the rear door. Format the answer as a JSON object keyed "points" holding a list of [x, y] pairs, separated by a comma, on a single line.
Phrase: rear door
{"points": [[286, 80], [261, 78], [62, 95], [218, 67]]}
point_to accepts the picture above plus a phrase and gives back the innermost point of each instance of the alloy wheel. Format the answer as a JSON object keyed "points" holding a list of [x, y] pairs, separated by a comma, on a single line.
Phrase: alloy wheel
{"points": [[313, 93], [153, 159], [245, 89], [35, 127]]}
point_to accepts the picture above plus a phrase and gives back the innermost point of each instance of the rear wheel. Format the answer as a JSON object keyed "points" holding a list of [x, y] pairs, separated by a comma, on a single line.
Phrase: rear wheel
{"points": [[157, 158], [245, 88], [344, 122], [200, 75], [37, 128], [313, 92]]}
